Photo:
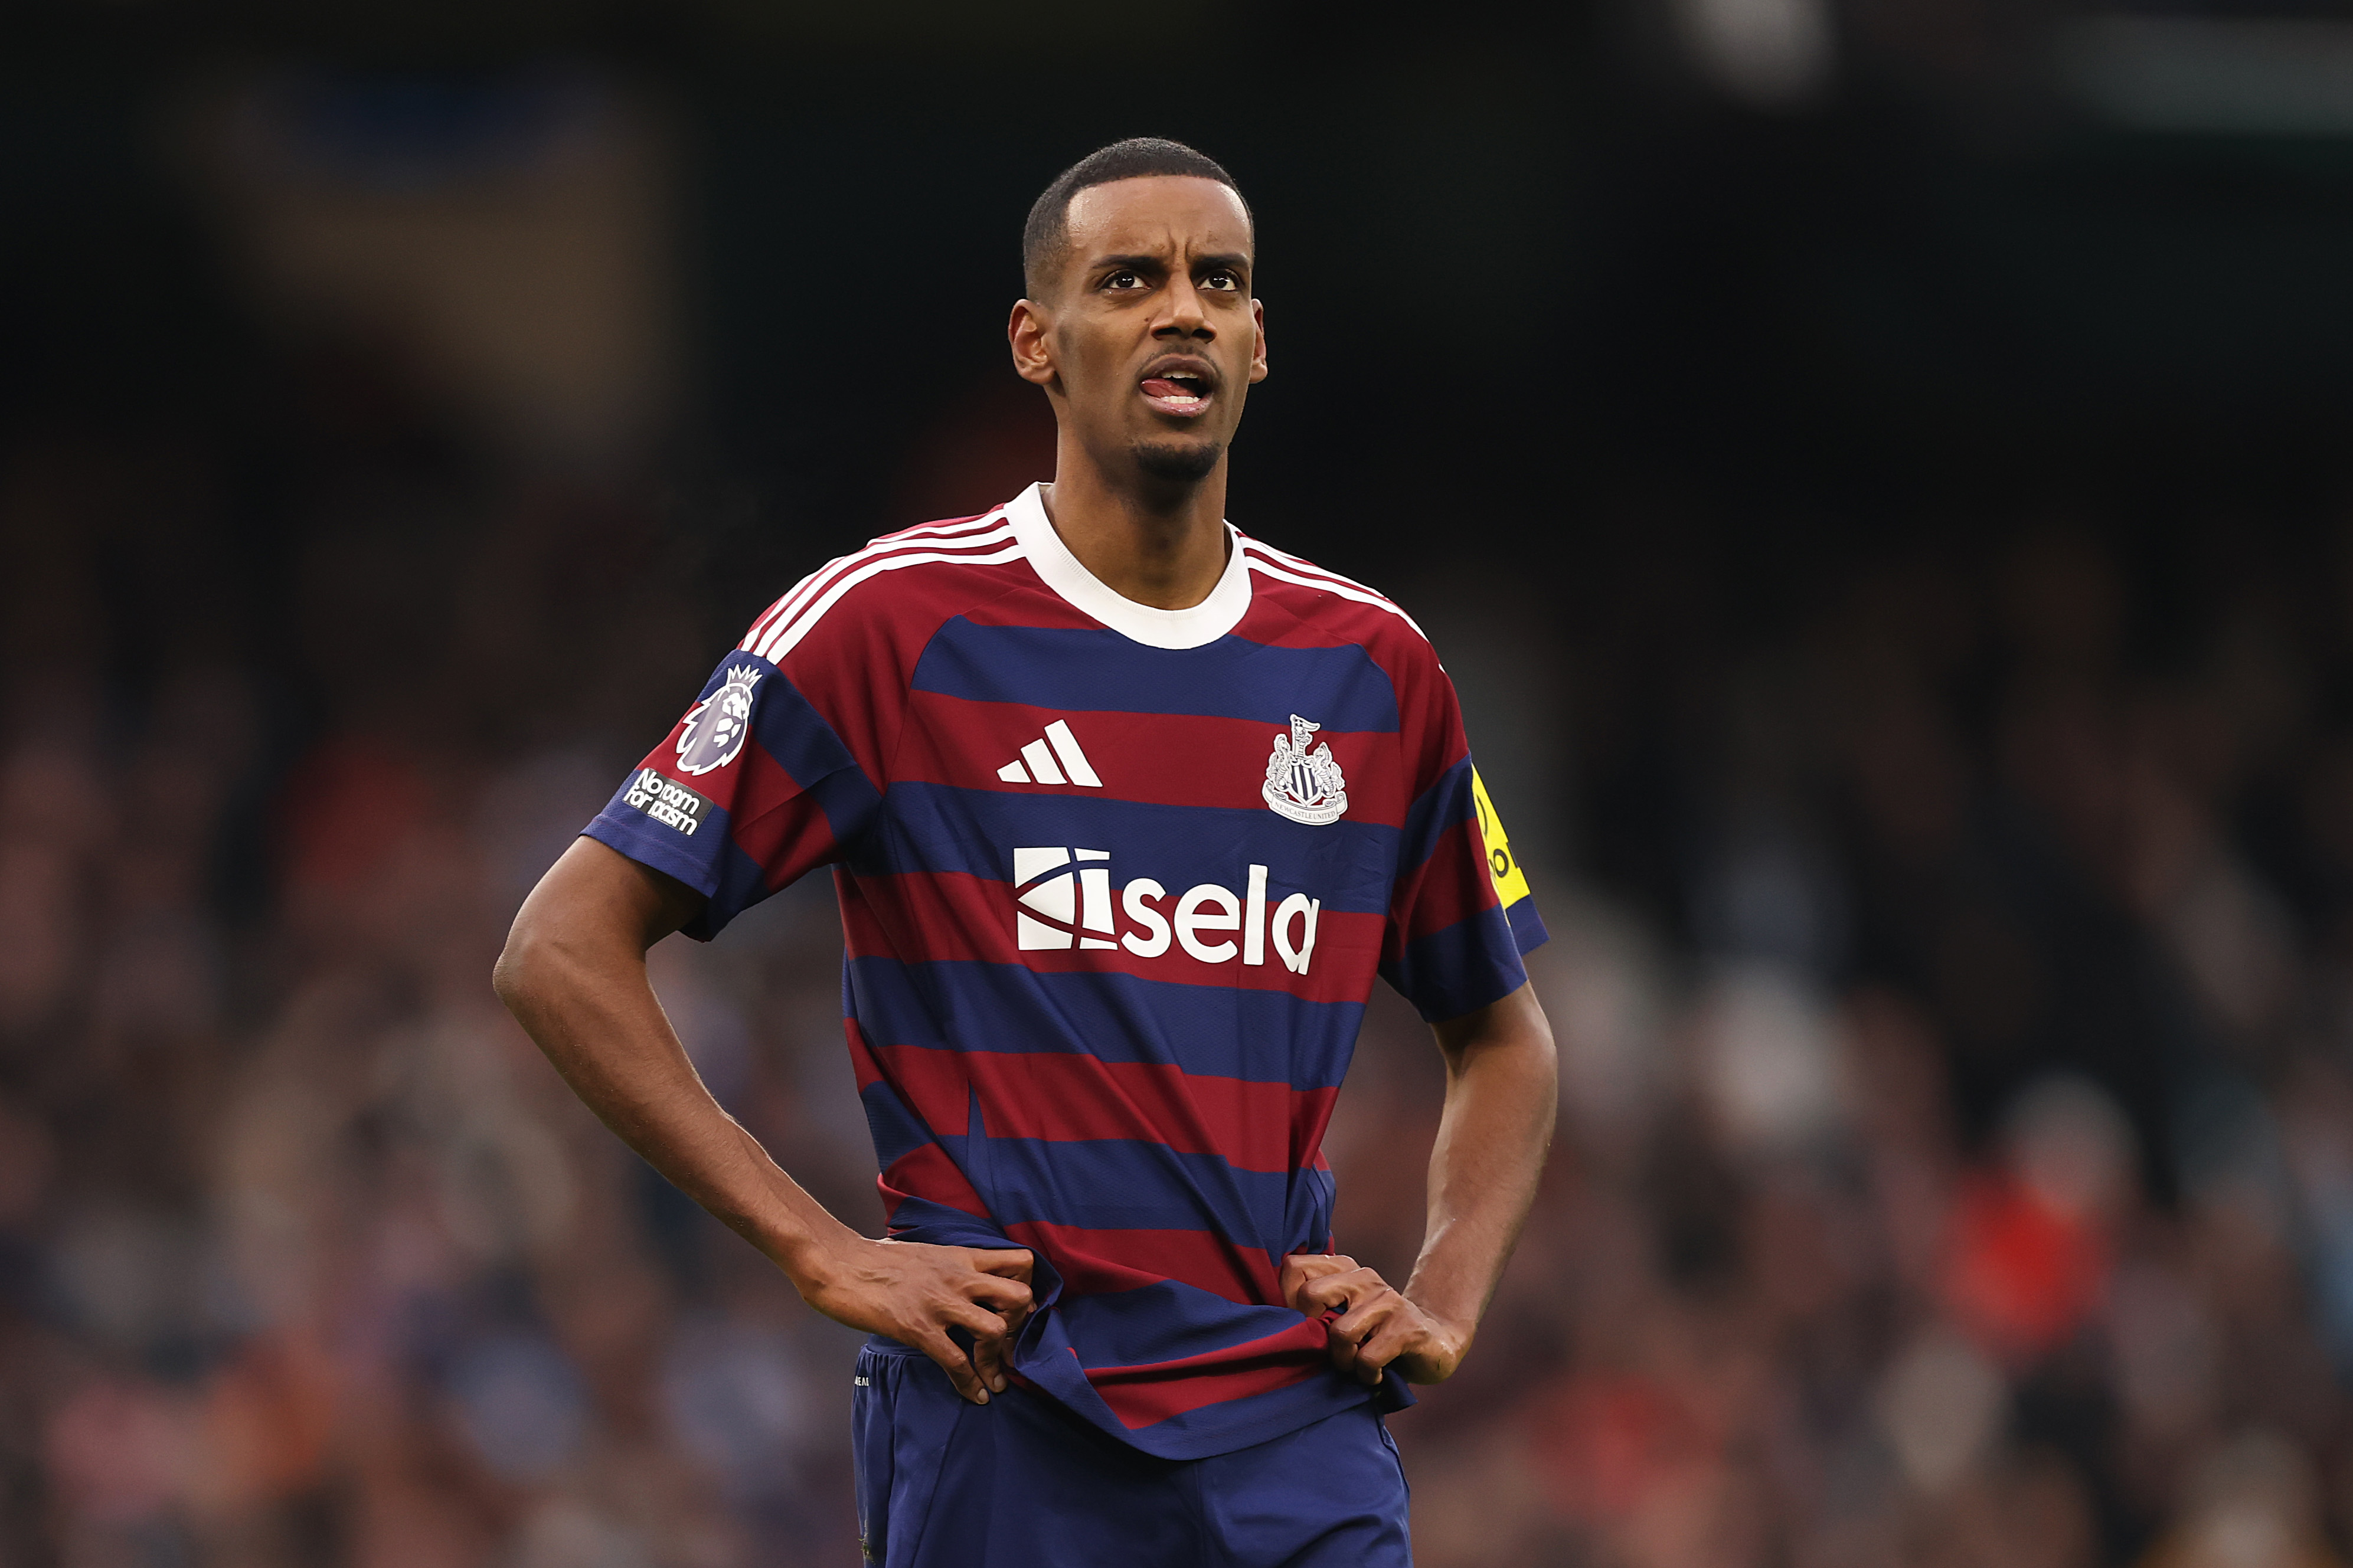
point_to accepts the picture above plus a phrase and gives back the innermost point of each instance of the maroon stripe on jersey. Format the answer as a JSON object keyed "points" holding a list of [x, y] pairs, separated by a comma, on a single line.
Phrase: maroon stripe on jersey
{"points": [[915, 530], [777, 838], [760, 815], [928, 1173], [1448, 887], [861, 1059], [1031, 604], [983, 535], [1062, 1097], [818, 582], [922, 917], [1156, 759], [1288, 615], [1343, 588], [763, 620], [1100, 1262], [855, 668], [1141, 1395], [792, 599]]}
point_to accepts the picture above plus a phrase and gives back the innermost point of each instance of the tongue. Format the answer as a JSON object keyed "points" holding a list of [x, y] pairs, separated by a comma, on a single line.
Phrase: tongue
{"points": [[1156, 387]]}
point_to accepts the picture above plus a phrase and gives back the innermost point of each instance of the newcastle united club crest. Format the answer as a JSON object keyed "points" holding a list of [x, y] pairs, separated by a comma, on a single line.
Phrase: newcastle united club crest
{"points": [[716, 727], [1304, 786]]}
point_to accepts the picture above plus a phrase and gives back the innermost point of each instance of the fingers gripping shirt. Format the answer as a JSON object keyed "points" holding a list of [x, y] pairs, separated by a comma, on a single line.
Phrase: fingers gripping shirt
{"points": [[1116, 883]]}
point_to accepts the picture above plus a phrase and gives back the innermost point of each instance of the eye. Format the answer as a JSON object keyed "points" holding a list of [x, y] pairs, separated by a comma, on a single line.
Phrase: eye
{"points": [[1222, 279], [1122, 281]]}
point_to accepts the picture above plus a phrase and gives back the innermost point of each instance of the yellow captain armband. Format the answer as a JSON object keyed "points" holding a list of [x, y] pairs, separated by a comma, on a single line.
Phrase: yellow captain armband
{"points": [[1511, 882]]}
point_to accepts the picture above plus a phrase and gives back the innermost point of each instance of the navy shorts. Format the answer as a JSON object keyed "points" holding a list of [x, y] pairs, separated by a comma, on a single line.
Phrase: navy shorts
{"points": [[1020, 1483]]}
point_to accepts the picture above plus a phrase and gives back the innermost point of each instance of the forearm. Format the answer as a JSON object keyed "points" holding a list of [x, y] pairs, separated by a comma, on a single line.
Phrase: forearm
{"points": [[574, 975], [1501, 1092], [611, 1042]]}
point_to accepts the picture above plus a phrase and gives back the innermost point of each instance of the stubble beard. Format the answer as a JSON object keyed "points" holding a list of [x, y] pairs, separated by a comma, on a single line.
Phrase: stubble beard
{"points": [[1171, 462]]}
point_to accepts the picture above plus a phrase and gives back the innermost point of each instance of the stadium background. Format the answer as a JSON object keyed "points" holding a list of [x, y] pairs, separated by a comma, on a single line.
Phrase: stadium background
{"points": [[1877, 472]]}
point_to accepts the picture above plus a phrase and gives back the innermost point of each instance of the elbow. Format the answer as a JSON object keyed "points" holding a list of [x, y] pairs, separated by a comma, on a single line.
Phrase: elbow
{"points": [[1545, 1049], [1549, 1085], [1539, 1061], [1527, 1042], [1543, 1055], [519, 962]]}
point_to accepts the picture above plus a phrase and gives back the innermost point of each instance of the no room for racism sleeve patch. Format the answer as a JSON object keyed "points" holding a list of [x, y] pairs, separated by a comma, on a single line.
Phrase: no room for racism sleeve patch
{"points": [[667, 801]]}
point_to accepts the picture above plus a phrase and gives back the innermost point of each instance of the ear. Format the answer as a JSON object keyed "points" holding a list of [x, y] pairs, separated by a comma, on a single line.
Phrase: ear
{"points": [[1258, 345], [1033, 352]]}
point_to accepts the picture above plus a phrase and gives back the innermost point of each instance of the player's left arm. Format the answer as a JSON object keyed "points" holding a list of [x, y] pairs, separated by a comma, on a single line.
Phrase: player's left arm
{"points": [[1501, 1089]]}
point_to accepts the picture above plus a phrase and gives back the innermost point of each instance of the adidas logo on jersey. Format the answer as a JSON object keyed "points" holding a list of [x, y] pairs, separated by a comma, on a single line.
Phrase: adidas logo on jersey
{"points": [[1054, 760], [1063, 899]]}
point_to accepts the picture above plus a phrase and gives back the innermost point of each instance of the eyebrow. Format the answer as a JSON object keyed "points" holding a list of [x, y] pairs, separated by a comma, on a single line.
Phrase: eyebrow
{"points": [[1236, 261]]}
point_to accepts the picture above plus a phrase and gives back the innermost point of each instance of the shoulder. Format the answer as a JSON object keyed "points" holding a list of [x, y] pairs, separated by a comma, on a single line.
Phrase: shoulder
{"points": [[1336, 608], [901, 585]]}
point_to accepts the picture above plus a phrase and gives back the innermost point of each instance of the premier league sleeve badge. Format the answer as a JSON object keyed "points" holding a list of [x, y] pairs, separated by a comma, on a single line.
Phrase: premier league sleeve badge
{"points": [[716, 726]]}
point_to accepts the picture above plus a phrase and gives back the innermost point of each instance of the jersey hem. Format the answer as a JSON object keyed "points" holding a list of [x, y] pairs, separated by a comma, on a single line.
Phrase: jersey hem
{"points": [[1301, 1406], [1528, 931]]}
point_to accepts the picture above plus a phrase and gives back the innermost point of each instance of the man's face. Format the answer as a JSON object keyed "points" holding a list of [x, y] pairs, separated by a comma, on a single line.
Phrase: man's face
{"points": [[1151, 332]]}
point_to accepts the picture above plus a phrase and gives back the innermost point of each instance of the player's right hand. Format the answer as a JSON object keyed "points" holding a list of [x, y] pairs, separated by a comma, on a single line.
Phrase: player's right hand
{"points": [[916, 1292]]}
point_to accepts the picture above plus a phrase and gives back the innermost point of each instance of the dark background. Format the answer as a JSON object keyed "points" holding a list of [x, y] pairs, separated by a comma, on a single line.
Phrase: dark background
{"points": [[1885, 503]]}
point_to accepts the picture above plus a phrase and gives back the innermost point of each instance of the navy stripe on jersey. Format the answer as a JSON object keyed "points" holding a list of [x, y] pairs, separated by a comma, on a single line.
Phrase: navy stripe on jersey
{"points": [[1461, 968], [1122, 1185], [1081, 669], [1445, 805], [1169, 1321], [934, 827], [1528, 932], [730, 880], [1208, 1030]]}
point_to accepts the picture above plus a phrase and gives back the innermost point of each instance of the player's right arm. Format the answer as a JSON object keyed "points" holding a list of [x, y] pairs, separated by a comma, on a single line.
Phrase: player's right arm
{"points": [[573, 972]]}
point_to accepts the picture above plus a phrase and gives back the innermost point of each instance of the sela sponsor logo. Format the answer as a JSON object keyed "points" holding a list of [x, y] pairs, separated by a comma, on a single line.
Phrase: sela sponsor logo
{"points": [[1302, 784], [667, 802], [716, 726], [1063, 899]]}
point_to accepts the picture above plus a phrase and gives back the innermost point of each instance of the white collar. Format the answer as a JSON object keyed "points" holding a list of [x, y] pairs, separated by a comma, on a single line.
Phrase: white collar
{"points": [[1204, 623]]}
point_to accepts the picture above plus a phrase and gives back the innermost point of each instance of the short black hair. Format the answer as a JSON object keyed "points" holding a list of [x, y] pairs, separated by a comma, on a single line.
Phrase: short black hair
{"points": [[1048, 228]]}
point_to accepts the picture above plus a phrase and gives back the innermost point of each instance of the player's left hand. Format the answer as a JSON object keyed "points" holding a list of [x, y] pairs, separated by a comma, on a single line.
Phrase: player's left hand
{"points": [[1372, 1324]]}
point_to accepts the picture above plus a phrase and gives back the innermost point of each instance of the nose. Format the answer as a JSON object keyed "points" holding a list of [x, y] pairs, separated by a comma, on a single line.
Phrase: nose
{"points": [[1182, 315]]}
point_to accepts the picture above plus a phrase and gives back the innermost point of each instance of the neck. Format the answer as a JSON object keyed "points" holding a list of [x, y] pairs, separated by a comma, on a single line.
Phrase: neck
{"points": [[1156, 541]]}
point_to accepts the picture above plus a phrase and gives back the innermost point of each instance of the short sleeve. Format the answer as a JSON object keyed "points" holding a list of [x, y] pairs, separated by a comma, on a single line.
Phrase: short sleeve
{"points": [[753, 787], [1461, 914]]}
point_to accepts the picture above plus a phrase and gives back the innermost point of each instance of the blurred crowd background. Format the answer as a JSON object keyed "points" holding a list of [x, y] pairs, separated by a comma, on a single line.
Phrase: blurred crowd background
{"points": [[1877, 469]]}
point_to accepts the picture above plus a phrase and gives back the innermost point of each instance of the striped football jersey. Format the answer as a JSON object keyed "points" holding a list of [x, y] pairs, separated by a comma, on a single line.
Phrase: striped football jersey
{"points": [[1115, 882]]}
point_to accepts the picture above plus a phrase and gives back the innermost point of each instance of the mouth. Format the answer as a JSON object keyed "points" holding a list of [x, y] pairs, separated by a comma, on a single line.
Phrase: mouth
{"points": [[1180, 389]]}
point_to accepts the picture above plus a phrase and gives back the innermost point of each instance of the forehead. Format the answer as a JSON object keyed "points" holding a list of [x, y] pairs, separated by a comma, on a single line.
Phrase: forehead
{"points": [[1157, 215]]}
